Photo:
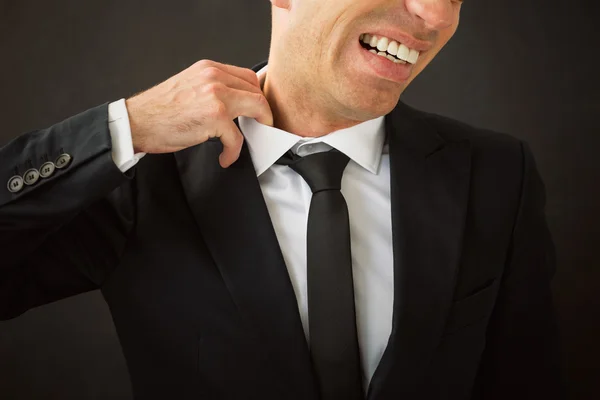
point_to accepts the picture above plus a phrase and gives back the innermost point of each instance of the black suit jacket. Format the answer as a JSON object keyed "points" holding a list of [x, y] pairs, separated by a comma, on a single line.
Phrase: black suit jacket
{"points": [[187, 259]]}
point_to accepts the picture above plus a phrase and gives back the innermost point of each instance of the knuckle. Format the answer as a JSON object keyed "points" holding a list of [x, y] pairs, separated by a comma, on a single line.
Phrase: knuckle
{"points": [[261, 101], [238, 139], [214, 88], [203, 64], [218, 110], [211, 73]]}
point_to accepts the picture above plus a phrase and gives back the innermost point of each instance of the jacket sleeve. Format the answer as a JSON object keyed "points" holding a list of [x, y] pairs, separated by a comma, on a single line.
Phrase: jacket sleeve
{"points": [[522, 355], [65, 212]]}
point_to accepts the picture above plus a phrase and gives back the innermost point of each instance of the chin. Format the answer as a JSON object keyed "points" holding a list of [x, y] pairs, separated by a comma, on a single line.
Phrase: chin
{"points": [[378, 107], [366, 103], [368, 112]]}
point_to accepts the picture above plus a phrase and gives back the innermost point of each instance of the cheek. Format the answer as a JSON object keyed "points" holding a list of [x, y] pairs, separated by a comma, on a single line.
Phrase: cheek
{"points": [[447, 33], [443, 39]]}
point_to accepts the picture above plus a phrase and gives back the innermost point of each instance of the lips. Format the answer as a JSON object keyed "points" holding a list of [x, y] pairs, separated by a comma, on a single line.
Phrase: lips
{"points": [[384, 65], [396, 50]]}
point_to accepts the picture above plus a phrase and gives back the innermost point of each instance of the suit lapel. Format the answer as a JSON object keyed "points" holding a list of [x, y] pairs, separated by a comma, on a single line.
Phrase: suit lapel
{"points": [[231, 213], [429, 187]]}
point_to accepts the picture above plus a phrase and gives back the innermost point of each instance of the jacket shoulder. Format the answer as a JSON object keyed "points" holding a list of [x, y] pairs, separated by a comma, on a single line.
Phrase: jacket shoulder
{"points": [[453, 130], [496, 156]]}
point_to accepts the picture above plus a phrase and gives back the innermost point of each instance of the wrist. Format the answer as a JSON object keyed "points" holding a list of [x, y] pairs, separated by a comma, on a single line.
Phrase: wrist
{"points": [[137, 138]]}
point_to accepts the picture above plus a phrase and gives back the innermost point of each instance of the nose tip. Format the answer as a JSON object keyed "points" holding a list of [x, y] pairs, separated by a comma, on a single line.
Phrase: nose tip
{"points": [[436, 14]]}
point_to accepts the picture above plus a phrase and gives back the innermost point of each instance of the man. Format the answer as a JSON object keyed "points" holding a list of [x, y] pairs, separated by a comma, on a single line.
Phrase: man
{"points": [[296, 232]]}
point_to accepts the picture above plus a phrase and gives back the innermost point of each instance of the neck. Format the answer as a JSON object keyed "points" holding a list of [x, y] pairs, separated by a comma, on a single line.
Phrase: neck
{"points": [[299, 109]]}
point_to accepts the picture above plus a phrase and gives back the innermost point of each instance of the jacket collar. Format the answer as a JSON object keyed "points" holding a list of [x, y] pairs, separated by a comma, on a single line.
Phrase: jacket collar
{"points": [[430, 180]]}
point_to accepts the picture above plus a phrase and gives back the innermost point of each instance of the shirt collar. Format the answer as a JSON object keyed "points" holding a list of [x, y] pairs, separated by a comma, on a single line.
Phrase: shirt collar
{"points": [[362, 143]]}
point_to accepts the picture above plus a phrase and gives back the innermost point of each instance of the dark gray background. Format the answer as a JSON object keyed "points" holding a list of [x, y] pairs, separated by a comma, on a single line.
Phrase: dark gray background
{"points": [[522, 67]]}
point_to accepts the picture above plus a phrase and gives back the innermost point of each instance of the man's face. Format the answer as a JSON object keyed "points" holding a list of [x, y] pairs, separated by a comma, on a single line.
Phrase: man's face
{"points": [[319, 42]]}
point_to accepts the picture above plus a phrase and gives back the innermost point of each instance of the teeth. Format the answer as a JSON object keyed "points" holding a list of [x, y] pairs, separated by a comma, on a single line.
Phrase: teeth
{"points": [[383, 44], [386, 47], [413, 56], [393, 48], [373, 41], [403, 52]]}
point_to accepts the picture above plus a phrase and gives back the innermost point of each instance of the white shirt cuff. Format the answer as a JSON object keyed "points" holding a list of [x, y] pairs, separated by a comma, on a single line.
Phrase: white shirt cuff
{"points": [[120, 135]]}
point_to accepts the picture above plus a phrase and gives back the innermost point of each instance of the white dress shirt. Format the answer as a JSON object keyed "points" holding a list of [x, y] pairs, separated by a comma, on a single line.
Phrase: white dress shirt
{"points": [[366, 188]]}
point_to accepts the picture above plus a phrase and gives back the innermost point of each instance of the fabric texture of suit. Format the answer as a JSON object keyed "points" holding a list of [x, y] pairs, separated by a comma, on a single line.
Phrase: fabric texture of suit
{"points": [[188, 262]]}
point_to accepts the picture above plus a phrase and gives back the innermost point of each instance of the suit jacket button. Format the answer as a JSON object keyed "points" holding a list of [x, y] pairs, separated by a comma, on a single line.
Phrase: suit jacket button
{"points": [[62, 161], [47, 169], [15, 184], [31, 176]]}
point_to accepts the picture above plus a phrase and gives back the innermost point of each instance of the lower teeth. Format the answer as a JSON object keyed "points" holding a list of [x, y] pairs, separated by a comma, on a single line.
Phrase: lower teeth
{"points": [[388, 56]]}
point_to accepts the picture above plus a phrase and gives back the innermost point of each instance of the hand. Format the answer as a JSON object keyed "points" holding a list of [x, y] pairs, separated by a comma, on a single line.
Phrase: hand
{"points": [[195, 105]]}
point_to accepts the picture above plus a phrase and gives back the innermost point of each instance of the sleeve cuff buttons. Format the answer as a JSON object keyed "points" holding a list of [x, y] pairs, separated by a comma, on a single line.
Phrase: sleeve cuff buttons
{"points": [[47, 169], [15, 184], [32, 176], [63, 161]]}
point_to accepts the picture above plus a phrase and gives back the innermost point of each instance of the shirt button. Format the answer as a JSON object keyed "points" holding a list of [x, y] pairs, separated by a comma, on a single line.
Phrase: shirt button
{"points": [[47, 169], [31, 176], [15, 184]]}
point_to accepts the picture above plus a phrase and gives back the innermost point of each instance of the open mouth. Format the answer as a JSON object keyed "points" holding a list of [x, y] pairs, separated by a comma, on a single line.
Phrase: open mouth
{"points": [[388, 48]]}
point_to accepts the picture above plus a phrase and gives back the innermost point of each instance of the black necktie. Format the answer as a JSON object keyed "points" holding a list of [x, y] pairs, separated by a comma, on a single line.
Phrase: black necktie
{"points": [[331, 315]]}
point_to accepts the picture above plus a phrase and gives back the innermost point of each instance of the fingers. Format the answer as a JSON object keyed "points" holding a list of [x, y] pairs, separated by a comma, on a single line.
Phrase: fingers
{"points": [[243, 73], [240, 102], [215, 74], [232, 140], [251, 105], [230, 92]]}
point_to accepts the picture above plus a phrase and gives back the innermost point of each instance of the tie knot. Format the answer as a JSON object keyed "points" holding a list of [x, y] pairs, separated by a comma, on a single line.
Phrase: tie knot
{"points": [[322, 171]]}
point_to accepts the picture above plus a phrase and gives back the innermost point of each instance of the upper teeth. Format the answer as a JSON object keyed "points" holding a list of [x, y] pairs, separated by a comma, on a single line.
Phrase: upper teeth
{"points": [[392, 47]]}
